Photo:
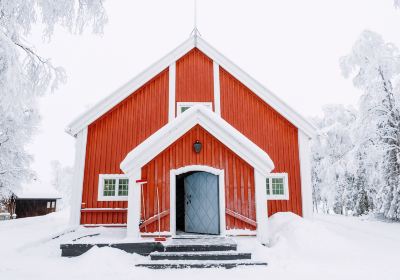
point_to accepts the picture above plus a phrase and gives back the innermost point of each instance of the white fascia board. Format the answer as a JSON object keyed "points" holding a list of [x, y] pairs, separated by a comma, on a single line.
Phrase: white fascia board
{"points": [[123, 92], [211, 122], [266, 95]]}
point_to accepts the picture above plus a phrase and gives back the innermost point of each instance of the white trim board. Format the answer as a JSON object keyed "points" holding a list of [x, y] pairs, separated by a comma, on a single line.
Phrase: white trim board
{"points": [[77, 184], [305, 174], [193, 42], [171, 92], [217, 89], [211, 122], [221, 194]]}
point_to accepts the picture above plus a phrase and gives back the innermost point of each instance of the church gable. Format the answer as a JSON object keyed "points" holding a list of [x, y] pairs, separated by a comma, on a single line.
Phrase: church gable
{"points": [[194, 78]]}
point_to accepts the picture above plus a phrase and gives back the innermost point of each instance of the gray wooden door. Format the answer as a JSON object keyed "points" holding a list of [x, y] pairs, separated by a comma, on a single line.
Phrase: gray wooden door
{"points": [[201, 203]]}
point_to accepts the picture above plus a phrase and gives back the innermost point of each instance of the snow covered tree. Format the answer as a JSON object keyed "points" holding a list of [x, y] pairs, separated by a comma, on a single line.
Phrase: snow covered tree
{"points": [[331, 150], [25, 75], [62, 181], [375, 66]]}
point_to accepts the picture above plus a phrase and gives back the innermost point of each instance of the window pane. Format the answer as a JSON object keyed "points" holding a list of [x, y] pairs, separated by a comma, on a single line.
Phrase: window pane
{"points": [[48, 204], [109, 187], [123, 187], [277, 186], [184, 108], [268, 187]]}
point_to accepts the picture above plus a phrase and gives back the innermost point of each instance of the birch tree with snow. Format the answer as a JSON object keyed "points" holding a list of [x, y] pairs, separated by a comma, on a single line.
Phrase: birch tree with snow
{"points": [[62, 181], [375, 68], [25, 75], [331, 169]]}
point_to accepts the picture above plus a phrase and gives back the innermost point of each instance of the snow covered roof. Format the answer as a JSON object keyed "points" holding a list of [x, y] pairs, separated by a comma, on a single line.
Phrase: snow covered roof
{"points": [[193, 42], [211, 122], [36, 190]]}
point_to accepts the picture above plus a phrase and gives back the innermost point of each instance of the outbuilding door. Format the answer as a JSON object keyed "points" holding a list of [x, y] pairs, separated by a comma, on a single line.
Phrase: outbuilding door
{"points": [[201, 203]]}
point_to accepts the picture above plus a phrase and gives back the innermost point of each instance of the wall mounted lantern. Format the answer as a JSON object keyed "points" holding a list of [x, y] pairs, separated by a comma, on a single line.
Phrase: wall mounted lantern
{"points": [[197, 146]]}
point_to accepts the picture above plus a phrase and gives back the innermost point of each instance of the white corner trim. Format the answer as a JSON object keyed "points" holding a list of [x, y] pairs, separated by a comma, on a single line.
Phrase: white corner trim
{"points": [[305, 173], [214, 124], [179, 105], [286, 189], [217, 89], [77, 183], [270, 98], [261, 207], [100, 193], [221, 193], [171, 91], [134, 206]]}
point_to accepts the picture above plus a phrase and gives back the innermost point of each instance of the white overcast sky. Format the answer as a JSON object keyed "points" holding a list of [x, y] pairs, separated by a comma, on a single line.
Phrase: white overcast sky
{"points": [[290, 46]]}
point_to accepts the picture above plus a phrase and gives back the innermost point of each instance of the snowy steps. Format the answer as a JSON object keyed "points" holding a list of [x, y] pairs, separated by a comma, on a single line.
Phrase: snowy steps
{"points": [[216, 264], [210, 255], [199, 252]]}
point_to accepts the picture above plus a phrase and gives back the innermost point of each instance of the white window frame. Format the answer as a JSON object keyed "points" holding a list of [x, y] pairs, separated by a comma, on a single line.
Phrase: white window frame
{"points": [[100, 195], [179, 105], [285, 195]]}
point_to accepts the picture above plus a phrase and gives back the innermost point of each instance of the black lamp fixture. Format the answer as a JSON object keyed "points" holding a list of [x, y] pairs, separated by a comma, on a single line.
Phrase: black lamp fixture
{"points": [[197, 146]]}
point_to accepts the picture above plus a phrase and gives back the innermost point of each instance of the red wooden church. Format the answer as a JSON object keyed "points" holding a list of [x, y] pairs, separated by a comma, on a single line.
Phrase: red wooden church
{"points": [[193, 144]]}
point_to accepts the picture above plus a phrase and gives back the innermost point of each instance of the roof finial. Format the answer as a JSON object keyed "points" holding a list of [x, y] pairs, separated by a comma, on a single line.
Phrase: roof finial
{"points": [[195, 32]]}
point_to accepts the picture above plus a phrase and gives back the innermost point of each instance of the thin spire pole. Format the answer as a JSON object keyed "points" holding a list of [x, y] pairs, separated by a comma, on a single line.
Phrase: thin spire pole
{"points": [[195, 32], [195, 14]]}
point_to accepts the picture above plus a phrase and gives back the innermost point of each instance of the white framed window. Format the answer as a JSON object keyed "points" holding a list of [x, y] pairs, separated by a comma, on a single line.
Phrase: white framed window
{"points": [[183, 106], [53, 204], [277, 186], [113, 187], [48, 204]]}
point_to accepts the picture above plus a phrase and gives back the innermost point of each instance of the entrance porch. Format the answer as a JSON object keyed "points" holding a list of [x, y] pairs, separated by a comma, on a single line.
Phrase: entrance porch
{"points": [[223, 185]]}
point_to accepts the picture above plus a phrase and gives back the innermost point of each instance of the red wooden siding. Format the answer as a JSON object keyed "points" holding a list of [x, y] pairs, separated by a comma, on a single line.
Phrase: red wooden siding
{"points": [[239, 177], [194, 78], [116, 133], [269, 130]]}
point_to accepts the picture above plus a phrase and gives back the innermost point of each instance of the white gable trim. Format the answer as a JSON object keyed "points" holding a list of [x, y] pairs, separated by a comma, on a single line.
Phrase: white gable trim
{"points": [[131, 86], [217, 89], [171, 92], [211, 122], [270, 98]]}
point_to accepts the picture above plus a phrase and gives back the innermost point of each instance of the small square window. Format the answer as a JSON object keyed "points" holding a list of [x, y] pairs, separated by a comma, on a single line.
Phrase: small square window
{"points": [[277, 186], [113, 187], [109, 187], [123, 187]]}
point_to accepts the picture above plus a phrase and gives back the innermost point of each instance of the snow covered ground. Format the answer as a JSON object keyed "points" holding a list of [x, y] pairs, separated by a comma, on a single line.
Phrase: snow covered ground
{"points": [[330, 247]]}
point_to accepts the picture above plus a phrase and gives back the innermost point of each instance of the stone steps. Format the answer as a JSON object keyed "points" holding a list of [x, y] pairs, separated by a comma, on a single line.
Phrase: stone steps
{"points": [[199, 252], [215, 264], [206, 255]]}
